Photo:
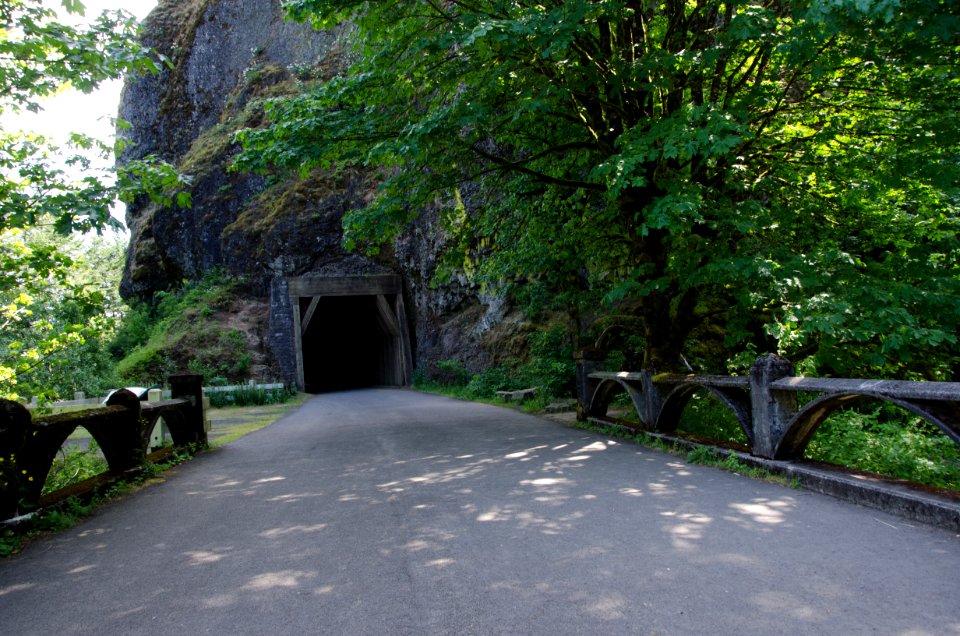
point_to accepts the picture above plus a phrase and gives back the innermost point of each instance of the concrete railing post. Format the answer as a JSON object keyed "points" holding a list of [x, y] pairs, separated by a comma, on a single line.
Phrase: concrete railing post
{"points": [[772, 410], [15, 421], [588, 361], [190, 387]]}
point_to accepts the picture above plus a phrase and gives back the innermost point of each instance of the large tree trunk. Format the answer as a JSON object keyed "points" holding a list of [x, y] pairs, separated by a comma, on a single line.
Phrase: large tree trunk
{"points": [[668, 315]]}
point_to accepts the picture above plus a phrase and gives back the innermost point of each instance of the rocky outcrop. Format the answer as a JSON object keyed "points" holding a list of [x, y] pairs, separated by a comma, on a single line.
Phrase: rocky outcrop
{"points": [[226, 58]]}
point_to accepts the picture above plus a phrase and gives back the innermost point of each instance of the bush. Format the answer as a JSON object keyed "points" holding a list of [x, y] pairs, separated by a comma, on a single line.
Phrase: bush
{"points": [[250, 396], [889, 442], [485, 384], [886, 441], [706, 416], [550, 365], [451, 373], [72, 465]]}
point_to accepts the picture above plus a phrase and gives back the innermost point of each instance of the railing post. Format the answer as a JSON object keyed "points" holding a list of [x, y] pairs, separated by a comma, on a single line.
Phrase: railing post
{"points": [[772, 410], [588, 361], [15, 421], [121, 439], [190, 387], [652, 403]]}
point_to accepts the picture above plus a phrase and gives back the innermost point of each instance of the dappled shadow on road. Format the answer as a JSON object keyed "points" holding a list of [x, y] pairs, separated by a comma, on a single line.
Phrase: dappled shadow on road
{"points": [[527, 528]]}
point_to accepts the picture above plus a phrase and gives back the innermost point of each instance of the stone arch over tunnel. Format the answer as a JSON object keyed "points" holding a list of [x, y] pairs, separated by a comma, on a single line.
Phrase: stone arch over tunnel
{"points": [[350, 332]]}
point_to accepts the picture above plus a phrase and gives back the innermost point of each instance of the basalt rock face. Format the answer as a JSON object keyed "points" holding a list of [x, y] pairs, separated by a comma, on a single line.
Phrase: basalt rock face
{"points": [[227, 57]]}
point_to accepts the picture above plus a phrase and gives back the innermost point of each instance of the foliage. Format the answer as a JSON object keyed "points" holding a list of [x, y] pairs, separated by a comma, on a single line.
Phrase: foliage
{"points": [[705, 416], [72, 465], [886, 441], [250, 396], [486, 383], [58, 305], [548, 366], [47, 316], [785, 172], [451, 373], [889, 442], [179, 330]]}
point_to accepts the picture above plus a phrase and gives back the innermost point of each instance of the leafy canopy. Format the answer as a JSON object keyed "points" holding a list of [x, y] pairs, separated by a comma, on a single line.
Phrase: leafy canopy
{"points": [[47, 314], [783, 174]]}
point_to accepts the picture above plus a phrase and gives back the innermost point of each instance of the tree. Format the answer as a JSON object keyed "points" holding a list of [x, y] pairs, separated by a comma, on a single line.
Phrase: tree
{"points": [[785, 170], [44, 314]]}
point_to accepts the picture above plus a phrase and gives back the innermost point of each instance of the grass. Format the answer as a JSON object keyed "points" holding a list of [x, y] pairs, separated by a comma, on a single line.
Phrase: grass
{"points": [[884, 440], [249, 396], [536, 404], [233, 422]]}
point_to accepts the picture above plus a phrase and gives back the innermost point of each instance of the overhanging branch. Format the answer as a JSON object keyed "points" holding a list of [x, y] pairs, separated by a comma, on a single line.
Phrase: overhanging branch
{"points": [[513, 166]]}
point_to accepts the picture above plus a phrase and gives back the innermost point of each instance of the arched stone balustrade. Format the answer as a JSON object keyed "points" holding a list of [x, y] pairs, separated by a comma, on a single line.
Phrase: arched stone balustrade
{"points": [[765, 403], [121, 428]]}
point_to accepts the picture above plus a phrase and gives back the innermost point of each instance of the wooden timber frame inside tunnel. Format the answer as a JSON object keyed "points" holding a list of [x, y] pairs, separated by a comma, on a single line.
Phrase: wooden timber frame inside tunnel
{"points": [[350, 332]]}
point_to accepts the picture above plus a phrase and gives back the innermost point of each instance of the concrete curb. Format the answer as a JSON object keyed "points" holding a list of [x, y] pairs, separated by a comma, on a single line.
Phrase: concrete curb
{"points": [[866, 490]]}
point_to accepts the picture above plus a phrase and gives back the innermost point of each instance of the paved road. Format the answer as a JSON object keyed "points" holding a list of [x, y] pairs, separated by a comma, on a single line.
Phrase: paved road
{"points": [[390, 512]]}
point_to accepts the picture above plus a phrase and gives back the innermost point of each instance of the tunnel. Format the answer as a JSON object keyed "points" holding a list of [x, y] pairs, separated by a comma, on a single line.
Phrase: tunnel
{"points": [[348, 345], [350, 332]]}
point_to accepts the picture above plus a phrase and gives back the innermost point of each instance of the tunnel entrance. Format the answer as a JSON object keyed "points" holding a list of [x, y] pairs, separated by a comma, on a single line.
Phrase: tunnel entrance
{"points": [[351, 332]]}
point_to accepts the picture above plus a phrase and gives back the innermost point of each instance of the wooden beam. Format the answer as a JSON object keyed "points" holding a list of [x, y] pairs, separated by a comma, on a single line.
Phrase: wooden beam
{"points": [[406, 355], [389, 319], [298, 341], [344, 286], [307, 317]]}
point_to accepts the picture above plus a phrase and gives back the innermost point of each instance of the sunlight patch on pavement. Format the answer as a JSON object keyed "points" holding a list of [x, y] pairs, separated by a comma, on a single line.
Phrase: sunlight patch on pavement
{"points": [[19, 587], [273, 580], [280, 532], [765, 511], [203, 557]]}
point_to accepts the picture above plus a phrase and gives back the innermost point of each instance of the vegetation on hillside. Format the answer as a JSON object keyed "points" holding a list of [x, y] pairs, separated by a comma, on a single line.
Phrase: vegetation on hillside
{"points": [[685, 184], [179, 330]]}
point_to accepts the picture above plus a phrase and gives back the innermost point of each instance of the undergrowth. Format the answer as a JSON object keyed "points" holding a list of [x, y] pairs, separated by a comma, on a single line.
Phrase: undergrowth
{"points": [[549, 368], [889, 442], [886, 440], [179, 329], [250, 396], [74, 464]]}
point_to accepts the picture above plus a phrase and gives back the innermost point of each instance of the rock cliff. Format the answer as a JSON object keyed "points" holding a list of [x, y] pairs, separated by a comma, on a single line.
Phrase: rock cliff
{"points": [[228, 56]]}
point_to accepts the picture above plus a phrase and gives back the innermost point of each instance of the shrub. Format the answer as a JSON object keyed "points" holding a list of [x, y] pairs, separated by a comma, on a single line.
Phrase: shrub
{"points": [[72, 465], [706, 416], [180, 330], [889, 442], [451, 373], [250, 396], [485, 384]]}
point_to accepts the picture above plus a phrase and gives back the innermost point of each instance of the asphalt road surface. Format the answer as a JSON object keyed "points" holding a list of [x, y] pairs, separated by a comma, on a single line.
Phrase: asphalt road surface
{"points": [[392, 512]]}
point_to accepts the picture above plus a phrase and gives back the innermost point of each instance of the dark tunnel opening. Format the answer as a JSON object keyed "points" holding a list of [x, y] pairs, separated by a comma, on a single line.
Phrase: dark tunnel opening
{"points": [[347, 346]]}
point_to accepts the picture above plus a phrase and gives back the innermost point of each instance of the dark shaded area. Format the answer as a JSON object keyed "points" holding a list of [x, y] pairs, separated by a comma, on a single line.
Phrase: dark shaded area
{"points": [[346, 346]]}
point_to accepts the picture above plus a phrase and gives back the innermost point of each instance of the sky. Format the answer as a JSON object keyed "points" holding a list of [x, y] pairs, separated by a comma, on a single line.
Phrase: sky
{"points": [[74, 111]]}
